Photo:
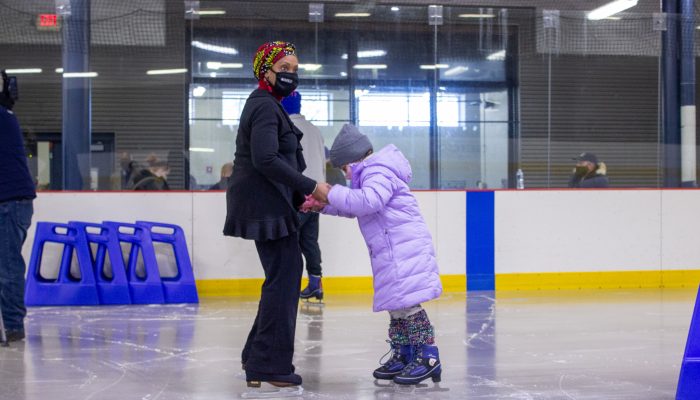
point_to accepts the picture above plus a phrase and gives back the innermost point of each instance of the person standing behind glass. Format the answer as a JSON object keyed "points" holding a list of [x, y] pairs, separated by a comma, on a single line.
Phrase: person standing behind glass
{"points": [[263, 197], [589, 173], [226, 171], [315, 157], [17, 194]]}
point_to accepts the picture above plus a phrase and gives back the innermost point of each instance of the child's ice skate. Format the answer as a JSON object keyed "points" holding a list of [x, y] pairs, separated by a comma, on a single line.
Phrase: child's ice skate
{"points": [[425, 364], [265, 386], [313, 290], [401, 356]]}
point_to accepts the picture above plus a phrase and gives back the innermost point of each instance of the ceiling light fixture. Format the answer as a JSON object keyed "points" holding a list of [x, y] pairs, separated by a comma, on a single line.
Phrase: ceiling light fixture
{"points": [[214, 48], [497, 56], [310, 67], [211, 12], [610, 9], [352, 15], [218, 65], [80, 74], [370, 66], [24, 71], [167, 71], [476, 16], [434, 66]]}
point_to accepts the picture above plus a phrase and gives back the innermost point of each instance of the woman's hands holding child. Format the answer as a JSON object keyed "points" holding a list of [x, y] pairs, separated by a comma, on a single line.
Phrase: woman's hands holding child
{"points": [[316, 200]]}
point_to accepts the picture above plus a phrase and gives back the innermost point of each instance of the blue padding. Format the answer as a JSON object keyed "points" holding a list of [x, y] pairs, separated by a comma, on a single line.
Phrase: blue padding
{"points": [[689, 379], [480, 241]]}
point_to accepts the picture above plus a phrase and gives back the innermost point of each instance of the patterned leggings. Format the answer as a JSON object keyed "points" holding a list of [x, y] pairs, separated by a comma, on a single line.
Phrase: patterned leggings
{"points": [[411, 326]]}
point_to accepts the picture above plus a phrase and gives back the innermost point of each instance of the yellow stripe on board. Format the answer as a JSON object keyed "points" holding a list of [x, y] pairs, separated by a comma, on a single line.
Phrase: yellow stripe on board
{"points": [[331, 284], [458, 283], [598, 280]]}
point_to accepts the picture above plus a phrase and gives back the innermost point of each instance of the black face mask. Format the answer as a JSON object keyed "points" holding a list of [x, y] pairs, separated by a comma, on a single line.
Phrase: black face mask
{"points": [[285, 83]]}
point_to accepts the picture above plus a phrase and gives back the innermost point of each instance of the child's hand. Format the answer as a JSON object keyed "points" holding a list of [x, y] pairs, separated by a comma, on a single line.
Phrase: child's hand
{"points": [[311, 204]]}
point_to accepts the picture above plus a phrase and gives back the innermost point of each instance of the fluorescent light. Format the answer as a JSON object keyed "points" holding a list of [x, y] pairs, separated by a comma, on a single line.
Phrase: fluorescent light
{"points": [[218, 65], [611, 8], [202, 149], [310, 67], [211, 12], [24, 71], [370, 66], [199, 91], [343, 74], [456, 70], [371, 53], [394, 9], [613, 18], [434, 66], [214, 48], [79, 74], [166, 71], [476, 16], [497, 56], [366, 54], [352, 15], [59, 70]]}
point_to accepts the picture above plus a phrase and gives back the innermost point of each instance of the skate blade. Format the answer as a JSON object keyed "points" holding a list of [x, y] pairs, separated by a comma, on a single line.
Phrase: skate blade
{"points": [[267, 391], [312, 302]]}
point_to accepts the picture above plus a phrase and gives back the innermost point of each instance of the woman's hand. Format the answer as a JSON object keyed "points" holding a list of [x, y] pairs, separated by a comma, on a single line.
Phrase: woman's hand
{"points": [[321, 192]]}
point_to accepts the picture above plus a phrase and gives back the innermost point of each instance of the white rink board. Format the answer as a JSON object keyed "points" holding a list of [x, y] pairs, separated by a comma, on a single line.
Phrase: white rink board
{"points": [[536, 231]]}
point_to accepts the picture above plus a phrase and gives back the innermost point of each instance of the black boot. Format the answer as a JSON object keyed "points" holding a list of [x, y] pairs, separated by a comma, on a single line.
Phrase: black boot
{"points": [[255, 379]]}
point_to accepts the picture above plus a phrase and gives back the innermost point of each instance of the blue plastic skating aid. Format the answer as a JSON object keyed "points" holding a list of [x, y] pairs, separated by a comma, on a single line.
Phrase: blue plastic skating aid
{"points": [[689, 379]]}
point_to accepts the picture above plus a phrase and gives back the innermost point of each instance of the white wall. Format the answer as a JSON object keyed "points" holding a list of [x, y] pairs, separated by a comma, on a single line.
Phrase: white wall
{"points": [[214, 256], [561, 231], [536, 231]]}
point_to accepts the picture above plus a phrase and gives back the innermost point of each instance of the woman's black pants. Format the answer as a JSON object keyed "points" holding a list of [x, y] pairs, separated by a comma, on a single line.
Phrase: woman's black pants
{"points": [[270, 345]]}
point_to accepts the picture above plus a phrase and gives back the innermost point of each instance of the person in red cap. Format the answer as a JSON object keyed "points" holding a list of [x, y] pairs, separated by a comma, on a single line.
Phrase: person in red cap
{"points": [[264, 193]]}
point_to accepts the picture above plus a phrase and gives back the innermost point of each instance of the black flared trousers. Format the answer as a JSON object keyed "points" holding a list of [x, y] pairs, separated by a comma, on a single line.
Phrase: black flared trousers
{"points": [[270, 345]]}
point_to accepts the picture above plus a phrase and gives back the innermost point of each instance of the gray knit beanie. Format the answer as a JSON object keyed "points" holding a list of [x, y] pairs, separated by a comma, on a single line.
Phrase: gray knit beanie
{"points": [[349, 146]]}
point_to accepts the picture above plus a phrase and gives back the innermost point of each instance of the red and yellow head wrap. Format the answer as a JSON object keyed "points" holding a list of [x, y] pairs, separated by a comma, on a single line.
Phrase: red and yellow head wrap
{"points": [[268, 54]]}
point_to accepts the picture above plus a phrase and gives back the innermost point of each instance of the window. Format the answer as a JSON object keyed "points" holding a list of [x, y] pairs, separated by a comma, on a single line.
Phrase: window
{"points": [[317, 106], [391, 109]]}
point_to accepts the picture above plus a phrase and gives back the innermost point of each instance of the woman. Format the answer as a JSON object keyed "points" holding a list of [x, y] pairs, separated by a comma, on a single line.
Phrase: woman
{"points": [[265, 192]]}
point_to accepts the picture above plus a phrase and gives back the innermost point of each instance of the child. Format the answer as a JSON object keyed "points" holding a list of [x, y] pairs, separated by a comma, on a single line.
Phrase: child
{"points": [[400, 247]]}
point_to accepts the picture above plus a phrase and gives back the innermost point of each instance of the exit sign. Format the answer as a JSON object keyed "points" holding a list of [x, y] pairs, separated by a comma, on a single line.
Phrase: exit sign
{"points": [[48, 22]]}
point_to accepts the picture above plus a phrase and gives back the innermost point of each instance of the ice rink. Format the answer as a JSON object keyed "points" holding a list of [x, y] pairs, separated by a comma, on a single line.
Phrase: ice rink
{"points": [[597, 344]]}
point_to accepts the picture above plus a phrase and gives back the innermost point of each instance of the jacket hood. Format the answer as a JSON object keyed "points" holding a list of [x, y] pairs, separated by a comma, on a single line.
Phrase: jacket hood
{"points": [[602, 169], [389, 157]]}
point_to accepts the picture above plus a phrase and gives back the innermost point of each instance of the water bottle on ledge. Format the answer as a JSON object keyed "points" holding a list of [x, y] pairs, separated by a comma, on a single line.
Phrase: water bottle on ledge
{"points": [[519, 179]]}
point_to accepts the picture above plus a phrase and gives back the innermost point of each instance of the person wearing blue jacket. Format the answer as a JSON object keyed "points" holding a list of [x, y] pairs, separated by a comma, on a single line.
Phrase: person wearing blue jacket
{"points": [[17, 193]]}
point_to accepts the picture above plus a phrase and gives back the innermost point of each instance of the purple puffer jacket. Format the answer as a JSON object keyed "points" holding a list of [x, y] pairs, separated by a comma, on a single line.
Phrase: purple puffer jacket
{"points": [[400, 246]]}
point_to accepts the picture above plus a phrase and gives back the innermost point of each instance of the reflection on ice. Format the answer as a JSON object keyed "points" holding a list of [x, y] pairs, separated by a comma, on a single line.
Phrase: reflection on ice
{"points": [[542, 345]]}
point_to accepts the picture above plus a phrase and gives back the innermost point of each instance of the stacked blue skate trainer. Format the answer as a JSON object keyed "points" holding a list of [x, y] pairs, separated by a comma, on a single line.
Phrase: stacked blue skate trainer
{"points": [[108, 263], [689, 380]]}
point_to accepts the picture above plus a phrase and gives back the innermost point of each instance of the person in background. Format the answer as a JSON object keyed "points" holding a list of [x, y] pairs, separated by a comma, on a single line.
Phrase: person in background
{"points": [[129, 168], [226, 171], [17, 194], [334, 176], [315, 157], [589, 172], [155, 177], [262, 203]]}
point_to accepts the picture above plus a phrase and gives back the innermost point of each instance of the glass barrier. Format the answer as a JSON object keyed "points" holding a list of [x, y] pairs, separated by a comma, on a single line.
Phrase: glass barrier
{"points": [[473, 96]]}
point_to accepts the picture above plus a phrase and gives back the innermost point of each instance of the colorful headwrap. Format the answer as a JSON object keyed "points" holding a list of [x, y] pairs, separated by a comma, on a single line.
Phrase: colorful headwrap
{"points": [[268, 54]]}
